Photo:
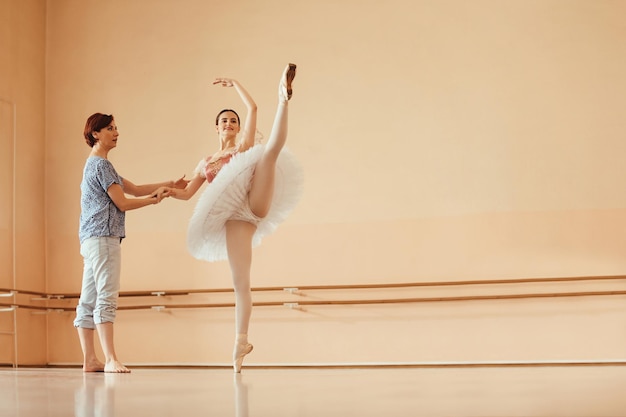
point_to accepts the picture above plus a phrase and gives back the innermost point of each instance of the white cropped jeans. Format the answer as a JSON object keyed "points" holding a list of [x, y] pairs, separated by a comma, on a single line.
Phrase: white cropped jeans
{"points": [[101, 281]]}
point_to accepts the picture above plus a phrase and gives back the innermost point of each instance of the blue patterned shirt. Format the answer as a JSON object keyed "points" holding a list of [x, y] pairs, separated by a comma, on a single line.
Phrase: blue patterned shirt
{"points": [[99, 216]]}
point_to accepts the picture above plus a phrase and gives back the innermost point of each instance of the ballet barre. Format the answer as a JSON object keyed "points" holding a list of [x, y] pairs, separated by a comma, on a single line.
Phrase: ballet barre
{"points": [[59, 302], [312, 303], [300, 289]]}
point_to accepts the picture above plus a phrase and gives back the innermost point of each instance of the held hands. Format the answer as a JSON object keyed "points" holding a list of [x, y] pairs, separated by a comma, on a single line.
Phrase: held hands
{"points": [[161, 193], [164, 192]]}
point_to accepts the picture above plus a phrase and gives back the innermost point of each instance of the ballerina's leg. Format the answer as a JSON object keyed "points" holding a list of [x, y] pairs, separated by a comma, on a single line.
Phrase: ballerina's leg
{"points": [[262, 187], [239, 245]]}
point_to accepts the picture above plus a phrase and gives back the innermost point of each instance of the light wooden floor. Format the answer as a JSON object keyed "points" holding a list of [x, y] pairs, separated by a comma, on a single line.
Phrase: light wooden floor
{"points": [[593, 391]]}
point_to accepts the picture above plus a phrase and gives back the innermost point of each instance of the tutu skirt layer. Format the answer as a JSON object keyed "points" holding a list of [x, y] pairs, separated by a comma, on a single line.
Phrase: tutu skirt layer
{"points": [[228, 192]]}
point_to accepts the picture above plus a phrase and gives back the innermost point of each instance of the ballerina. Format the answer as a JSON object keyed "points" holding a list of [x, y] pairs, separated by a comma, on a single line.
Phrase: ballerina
{"points": [[252, 188]]}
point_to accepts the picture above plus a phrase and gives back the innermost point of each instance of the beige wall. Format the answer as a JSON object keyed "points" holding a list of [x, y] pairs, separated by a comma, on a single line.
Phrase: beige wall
{"points": [[22, 220], [445, 140]]}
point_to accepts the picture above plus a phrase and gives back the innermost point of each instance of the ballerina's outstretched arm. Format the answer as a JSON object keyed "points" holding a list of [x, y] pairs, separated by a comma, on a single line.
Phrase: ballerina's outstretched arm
{"points": [[249, 126], [190, 189]]}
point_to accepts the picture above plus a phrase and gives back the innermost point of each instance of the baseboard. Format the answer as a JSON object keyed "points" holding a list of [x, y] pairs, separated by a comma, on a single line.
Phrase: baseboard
{"points": [[366, 365]]}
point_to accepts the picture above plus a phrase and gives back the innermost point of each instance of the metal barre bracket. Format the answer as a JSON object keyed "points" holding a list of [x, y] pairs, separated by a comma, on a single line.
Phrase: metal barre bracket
{"points": [[48, 297], [56, 296], [48, 311]]}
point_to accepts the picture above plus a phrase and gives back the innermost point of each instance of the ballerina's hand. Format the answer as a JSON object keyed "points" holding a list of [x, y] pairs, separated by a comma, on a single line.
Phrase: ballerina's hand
{"points": [[181, 183], [226, 82]]}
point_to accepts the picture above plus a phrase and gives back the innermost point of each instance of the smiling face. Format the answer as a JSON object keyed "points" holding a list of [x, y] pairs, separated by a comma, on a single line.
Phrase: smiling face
{"points": [[107, 137], [227, 124]]}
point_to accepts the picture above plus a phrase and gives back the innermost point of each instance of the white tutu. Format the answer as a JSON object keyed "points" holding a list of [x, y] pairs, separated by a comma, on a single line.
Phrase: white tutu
{"points": [[206, 237]]}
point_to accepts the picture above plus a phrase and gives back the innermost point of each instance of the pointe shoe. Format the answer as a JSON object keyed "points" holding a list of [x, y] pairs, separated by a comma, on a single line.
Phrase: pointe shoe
{"points": [[241, 350], [284, 89]]}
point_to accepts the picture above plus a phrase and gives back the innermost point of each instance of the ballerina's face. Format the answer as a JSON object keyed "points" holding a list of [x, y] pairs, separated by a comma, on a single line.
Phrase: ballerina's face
{"points": [[228, 124]]}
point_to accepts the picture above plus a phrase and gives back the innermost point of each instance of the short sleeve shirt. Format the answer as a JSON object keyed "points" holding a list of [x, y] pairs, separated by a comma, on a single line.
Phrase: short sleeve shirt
{"points": [[99, 216]]}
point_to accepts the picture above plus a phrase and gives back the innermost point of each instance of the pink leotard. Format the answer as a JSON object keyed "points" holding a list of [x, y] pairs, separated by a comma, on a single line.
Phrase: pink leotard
{"points": [[213, 167]]}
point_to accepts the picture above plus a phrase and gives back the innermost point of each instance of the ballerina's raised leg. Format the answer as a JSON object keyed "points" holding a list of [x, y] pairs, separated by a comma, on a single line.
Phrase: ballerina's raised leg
{"points": [[262, 187]]}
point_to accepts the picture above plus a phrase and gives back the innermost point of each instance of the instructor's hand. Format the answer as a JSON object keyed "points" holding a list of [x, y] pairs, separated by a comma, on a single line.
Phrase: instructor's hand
{"points": [[161, 193]]}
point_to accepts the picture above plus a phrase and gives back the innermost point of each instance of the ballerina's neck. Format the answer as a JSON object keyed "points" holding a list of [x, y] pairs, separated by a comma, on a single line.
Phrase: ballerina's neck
{"points": [[227, 147]]}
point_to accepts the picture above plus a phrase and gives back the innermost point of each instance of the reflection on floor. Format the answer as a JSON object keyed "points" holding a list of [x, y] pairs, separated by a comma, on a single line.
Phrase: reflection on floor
{"points": [[507, 391]]}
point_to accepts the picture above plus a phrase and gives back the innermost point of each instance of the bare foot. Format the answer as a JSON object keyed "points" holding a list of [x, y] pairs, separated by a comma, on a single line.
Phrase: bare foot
{"points": [[116, 368], [93, 366]]}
